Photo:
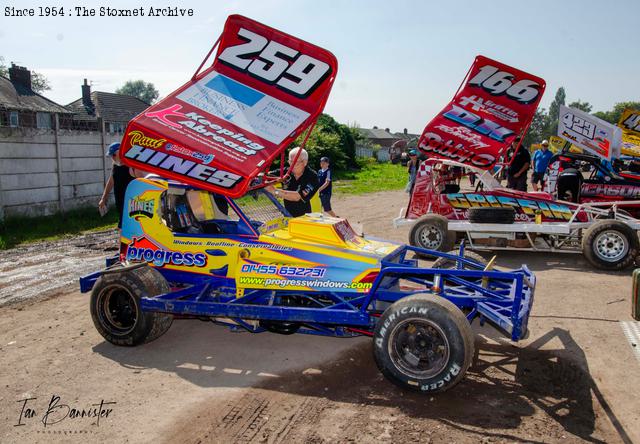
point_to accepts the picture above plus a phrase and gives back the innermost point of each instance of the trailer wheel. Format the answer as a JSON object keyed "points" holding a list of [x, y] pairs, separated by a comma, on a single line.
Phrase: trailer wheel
{"points": [[491, 215], [115, 306], [423, 343], [432, 232], [610, 245], [443, 262]]}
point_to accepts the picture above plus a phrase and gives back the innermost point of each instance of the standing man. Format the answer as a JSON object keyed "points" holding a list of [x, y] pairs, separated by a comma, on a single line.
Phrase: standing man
{"points": [[540, 163], [517, 175], [412, 169], [118, 181], [324, 179], [300, 187]]}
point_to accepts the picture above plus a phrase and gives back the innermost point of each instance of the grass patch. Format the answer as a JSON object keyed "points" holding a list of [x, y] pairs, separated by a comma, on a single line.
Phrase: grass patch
{"points": [[20, 230], [372, 177]]}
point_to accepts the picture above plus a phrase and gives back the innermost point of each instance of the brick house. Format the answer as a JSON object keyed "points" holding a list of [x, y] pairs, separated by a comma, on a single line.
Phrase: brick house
{"points": [[115, 109], [21, 107]]}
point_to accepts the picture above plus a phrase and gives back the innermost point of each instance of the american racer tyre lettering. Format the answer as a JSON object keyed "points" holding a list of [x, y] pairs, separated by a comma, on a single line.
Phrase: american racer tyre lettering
{"points": [[423, 343]]}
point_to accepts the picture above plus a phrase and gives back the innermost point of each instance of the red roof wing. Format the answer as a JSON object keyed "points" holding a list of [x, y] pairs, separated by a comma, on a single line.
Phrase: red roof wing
{"points": [[228, 123]]}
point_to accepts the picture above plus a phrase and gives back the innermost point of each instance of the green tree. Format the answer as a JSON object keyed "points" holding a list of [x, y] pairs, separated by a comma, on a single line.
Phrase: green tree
{"points": [[140, 89], [551, 126], [582, 106], [334, 140], [536, 131], [39, 83], [614, 115]]}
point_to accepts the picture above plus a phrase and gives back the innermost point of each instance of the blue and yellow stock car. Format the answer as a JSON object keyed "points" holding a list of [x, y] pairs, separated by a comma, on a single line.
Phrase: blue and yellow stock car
{"points": [[245, 263]]}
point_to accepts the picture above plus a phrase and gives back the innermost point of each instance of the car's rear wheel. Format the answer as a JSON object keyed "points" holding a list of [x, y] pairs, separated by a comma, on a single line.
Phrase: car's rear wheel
{"points": [[432, 232], [423, 343], [610, 245], [115, 306]]}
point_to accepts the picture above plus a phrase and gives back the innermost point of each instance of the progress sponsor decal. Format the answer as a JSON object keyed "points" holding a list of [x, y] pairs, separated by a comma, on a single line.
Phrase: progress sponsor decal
{"points": [[283, 283], [141, 207], [247, 108], [495, 104], [527, 207], [284, 270], [609, 190], [142, 249]]}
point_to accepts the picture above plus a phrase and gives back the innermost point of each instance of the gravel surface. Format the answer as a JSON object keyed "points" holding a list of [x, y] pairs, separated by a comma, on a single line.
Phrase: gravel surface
{"points": [[574, 379]]}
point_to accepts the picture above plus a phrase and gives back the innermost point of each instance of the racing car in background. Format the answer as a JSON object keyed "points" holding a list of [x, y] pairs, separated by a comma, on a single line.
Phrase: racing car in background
{"points": [[493, 218], [493, 106], [584, 177]]}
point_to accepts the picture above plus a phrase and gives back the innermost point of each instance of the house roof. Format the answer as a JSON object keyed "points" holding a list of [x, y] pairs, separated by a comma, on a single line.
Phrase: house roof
{"points": [[407, 136], [110, 106], [376, 133], [15, 96]]}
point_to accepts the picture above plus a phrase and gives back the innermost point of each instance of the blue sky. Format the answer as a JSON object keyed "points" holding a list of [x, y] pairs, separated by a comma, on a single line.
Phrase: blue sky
{"points": [[400, 62]]}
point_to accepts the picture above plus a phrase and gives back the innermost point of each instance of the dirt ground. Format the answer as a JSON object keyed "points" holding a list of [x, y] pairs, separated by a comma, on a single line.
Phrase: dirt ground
{"points": [[575, 379]]}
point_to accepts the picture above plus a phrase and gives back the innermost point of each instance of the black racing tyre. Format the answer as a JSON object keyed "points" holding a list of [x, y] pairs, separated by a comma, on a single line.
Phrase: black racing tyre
{"points": [[423, 343], [432, 232], [115, 306], [491, 215], [279, 327], [443, 262], [610, 245]]}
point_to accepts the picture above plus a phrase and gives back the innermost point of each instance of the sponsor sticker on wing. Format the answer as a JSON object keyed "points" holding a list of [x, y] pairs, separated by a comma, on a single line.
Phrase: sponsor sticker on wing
{"points": [[265, 116]]}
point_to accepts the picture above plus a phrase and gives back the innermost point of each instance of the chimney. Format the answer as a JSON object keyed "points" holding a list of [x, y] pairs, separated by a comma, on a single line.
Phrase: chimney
{"points": [[405, 131], [375, 127], [386, 129], [20, 75], [86, 94]]}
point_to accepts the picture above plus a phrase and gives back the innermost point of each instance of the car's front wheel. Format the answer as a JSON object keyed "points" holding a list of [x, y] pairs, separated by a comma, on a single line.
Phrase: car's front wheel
{"points": [[423, 343], [115, 306]]}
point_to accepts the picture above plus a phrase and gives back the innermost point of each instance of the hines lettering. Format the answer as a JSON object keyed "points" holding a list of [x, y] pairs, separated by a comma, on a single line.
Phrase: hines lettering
{"points": [[185, 167]]}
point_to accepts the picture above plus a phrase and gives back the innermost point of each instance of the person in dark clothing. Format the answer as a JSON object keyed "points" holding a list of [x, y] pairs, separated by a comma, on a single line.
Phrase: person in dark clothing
{"points": [[118, 181], [324, 179], [301, 186], [517, 174]]}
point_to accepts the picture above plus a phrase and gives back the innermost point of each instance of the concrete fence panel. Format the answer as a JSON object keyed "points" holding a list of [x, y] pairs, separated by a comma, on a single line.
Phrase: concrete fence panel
{"points": [[43, 172]]}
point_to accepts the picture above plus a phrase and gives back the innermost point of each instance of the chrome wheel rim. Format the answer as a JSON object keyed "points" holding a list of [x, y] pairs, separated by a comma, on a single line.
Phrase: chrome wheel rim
{"points": [[611, 246], [431, 237]]}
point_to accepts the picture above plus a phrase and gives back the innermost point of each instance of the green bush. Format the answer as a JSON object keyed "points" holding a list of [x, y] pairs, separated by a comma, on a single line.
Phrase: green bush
{"points": [[333, 140]]}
